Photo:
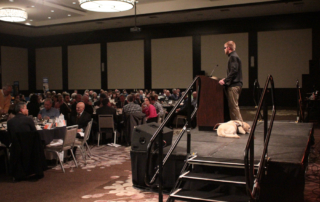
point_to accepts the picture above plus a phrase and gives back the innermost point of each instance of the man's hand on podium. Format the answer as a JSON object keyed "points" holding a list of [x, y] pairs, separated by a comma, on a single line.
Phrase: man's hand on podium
{"points": [[221, 82]]}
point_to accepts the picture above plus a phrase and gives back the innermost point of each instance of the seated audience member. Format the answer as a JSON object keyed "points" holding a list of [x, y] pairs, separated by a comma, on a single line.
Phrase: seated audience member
{"points": [[157, 105], [94, 97], [142, 95], [122, 102], [131, 107], [5, 99], [149, 110], [179, 93], [59, 102], [168, 96], [65, 108], [113, 100], [137, 99], [184, 109], [48, 112], [73, 98], [78, 99], [174, 94], [40, 99], [82, 118], [34, 105], [22, 98], [54, 100], [88, 105], [90, 95], [48, 94], [106, 109], [21, 122], [99, 102]]}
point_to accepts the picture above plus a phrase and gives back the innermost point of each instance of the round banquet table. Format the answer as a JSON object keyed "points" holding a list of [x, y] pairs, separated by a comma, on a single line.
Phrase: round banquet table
{"points": [[45, 135]]}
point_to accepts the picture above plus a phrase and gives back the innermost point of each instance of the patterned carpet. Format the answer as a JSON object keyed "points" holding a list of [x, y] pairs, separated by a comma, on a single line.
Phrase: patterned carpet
{"points": [[118, 188]]}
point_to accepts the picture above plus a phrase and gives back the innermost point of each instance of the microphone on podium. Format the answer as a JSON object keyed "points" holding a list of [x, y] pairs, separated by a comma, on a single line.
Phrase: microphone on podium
{"points": [[213, 71]]}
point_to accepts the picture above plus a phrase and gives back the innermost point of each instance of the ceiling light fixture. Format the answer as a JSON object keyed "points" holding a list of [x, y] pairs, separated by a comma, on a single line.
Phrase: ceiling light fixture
{"points": [[107, 5], [13, 15]]}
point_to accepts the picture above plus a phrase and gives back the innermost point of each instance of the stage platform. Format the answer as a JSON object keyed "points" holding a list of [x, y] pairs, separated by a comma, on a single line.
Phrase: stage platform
{"points": [[288, 152]]}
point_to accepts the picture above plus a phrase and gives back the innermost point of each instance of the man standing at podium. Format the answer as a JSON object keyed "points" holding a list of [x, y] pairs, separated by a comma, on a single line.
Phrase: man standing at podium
{"points": [[233, 81]]}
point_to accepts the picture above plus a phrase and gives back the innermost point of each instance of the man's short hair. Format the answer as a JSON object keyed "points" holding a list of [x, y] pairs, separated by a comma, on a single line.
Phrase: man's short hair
{"points": [[66, 94], [48, 100], [103, 95], [152, 98], [19, 106], [130, 98], [105, 101], [231, 45]]}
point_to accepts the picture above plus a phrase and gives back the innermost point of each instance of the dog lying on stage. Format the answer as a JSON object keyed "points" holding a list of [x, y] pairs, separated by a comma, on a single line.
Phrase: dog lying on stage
{"points": [[231, 128]]}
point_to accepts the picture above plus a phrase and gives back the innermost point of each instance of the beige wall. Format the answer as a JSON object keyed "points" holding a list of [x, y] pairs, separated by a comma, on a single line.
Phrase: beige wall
{"points": [[285, 55], [125, 65], [14, 63], [84, 66], [49, 64], [213, 56], [171, 62]]}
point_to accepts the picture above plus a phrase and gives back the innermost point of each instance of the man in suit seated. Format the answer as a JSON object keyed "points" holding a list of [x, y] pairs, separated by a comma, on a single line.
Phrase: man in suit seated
{"points": [[81, 119], [21, 122]]}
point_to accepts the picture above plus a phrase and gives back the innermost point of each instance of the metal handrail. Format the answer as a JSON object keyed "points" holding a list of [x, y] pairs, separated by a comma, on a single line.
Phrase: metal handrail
{"points": [[300, 113], [256, 87], [249, 166], [149, 181]]}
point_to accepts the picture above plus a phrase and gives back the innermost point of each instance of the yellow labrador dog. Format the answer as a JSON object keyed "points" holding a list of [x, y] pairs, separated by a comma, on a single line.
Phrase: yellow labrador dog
{"points": [[231, 128]]}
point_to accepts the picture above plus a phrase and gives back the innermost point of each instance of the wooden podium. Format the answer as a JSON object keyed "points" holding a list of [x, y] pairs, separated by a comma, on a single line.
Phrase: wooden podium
{"points": [[212, 104]]}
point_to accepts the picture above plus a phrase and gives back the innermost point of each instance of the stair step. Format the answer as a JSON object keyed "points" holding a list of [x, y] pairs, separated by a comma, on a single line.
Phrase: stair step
{"points": [[187, 195], [209, 161], [221, 178]]}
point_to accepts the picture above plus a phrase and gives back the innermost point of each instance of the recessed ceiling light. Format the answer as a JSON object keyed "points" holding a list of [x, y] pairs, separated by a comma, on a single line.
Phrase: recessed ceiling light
{"points": [[28, 23], [32, 6], [49, 17], [11, 0], [52, 11], [30, 20], [69, 15], [74, 2]]}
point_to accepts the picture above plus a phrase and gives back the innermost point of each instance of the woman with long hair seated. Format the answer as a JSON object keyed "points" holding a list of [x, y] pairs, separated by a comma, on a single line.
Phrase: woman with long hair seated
{"points": [[150, 111]]}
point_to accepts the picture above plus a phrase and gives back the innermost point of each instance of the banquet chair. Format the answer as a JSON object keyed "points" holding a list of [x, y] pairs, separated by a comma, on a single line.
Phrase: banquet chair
{"points": [[82, 143], [184, 118], [26, 155], [4, 151], [106, 122], [68, 144]]}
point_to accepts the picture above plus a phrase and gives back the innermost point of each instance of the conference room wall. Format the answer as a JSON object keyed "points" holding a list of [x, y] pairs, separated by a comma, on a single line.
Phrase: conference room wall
{"points": [[214, 57], [285, 55], [125, 65], [49, 65], [171, 60], [14, 66], [190, 29], [84, 66]]}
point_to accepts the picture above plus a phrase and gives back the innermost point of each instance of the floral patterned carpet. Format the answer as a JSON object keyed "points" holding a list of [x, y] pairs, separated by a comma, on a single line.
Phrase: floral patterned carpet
{"points": [[118, 188]]}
